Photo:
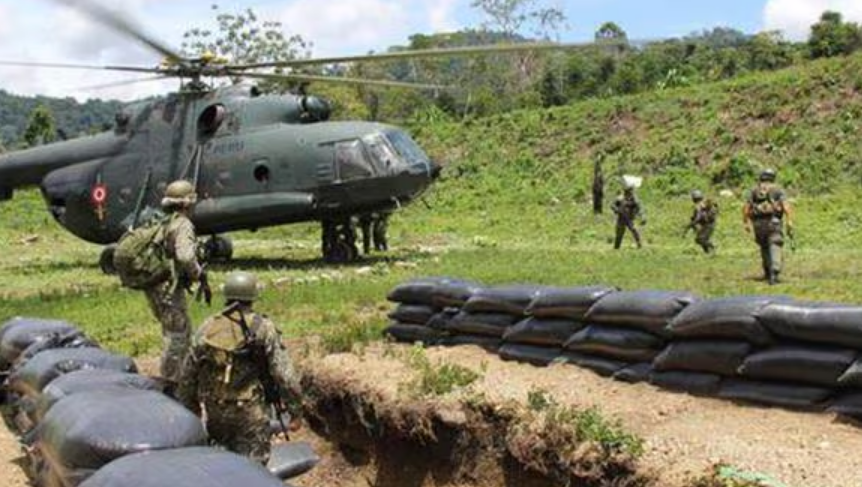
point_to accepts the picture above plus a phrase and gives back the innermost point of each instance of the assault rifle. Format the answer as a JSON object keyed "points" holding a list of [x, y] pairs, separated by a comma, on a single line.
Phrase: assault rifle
{"points": [[257, 352], [204, 291]]}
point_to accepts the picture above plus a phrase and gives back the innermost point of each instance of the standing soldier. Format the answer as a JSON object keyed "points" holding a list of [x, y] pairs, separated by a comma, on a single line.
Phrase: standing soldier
{"points": [[168, 298], [598, 185], [627, 208], [380, 227], [236, 361], [703, 221], [765, 211], [365, 222]]}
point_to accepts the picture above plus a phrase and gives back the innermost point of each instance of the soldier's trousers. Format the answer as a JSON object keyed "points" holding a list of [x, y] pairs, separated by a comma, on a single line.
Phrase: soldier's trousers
{"points": [[770, 238], [168, 303], [241, 427], [622, 225], [704, 238]]}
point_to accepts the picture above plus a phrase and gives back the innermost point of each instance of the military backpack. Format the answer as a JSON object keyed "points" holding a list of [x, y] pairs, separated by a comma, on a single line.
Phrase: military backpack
{"points": [[141, 257]]}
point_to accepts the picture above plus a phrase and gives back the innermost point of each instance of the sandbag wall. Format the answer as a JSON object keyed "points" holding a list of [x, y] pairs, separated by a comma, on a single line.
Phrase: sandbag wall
{"points": [[87, 417], [765, 349]]}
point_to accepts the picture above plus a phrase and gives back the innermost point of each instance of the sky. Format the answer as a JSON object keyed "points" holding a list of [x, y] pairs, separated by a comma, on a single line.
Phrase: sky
{"points": [[48, 31]]}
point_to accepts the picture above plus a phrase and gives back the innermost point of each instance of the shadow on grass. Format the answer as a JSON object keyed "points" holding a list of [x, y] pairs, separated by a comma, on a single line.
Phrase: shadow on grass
{"points": [[260, 263]]}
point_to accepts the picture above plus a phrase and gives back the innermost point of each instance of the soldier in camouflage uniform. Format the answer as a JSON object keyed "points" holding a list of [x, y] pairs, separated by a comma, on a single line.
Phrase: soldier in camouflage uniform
{"points": [[168, 299], [627, 208], [703, 221], [221, 375], [766, 211], [380, 225]]}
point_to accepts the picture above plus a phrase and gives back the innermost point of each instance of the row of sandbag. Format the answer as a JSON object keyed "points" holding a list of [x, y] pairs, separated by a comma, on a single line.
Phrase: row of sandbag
{"points": [[762, 348], [89, 419]]}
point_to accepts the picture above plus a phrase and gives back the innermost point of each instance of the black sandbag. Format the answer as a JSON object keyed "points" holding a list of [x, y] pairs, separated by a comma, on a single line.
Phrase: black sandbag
{"points": [[603, 366], [733, 317], [68, 339], [566, 302], [453, 292], [634, 373], [618, 343], [551, 332], [19, 333], [441, 319], [490, 344], [646, 310], [418, 314], [815, 322], [86, 380], [529, 353], [410, 333], [37, 372], [852, 377], [811, 365], [433, 291], [85, 431], [691, 382], [490, 324], [775, 393], [183, 467], [288, 460], [849, 404], [512, 299], [721, 357]]}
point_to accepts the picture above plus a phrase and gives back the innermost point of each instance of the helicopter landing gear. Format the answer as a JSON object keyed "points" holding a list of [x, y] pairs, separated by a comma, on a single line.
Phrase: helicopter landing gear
{"points": [[106, 260], [338, 241], [217, 249]]}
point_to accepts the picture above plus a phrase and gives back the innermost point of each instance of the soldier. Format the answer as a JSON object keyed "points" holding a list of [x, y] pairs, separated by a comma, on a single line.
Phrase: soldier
{"points": [[598, 185], [168, 299], [380, 226], [766, 211], [627, 208], [365, 222], [236, 354], [703, 221]]}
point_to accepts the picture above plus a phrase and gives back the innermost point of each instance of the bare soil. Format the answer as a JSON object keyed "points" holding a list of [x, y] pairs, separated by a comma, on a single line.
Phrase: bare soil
{"points": [[11, 460]]}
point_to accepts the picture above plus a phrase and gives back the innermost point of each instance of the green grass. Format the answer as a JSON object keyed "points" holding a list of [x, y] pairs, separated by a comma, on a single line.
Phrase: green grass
{"points": [[435, 379]]}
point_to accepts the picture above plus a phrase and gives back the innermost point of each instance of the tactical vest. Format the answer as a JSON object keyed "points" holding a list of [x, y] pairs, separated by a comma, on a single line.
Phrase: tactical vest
{"points": [[764, 202], [227, 371]]}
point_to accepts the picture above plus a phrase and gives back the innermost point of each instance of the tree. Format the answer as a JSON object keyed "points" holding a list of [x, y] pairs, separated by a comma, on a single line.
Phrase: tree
{"points": [[510, 16], [610, 31], [831, 36], [40, 128]]}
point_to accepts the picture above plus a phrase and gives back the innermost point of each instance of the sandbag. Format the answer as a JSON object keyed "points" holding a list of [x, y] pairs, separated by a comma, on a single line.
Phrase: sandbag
{"points": [[183, 467], [617, 343], [490, 324], [852, 377], [490, 344], [602, 366], [512, 299], [19, 333], [634, 373], [732, 317], [68, 339], [647, 310], [410, 333], [29, 379], [829, 323], [434, 291], [453, 292], [441, 319], [811, 365], [698, 383], [287, 460], [848, 404], [529, 353], [542, 331], [86, 380], [569, 302], [721, 357], [775, 393], [418, 314], [85, 431]]}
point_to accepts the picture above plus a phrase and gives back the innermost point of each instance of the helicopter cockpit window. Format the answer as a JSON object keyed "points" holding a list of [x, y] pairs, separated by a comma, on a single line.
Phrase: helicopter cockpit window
{"points": [[409, 150], [351, 161], [210, 120], [382, 154]]}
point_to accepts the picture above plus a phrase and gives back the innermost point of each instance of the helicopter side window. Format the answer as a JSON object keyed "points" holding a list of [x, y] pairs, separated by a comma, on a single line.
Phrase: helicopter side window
{"points": [[351, 161], [210, 120], [384, 157]]}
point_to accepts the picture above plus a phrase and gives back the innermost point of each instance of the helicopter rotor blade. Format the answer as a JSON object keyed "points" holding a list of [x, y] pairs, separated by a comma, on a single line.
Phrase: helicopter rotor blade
{"points": [[114, 20], [338, 79], [30, 64], [122, 83], [428, 53]]}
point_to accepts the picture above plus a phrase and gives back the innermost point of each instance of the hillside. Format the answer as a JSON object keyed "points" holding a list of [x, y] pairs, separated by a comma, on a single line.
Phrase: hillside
{"points": [[804, 120]]}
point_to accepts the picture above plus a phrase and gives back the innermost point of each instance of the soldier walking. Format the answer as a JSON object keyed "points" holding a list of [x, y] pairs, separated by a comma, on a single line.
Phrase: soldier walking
{"points": [[703, 220], [235, 356], [167, 299], [765, 212], [627, 208]]}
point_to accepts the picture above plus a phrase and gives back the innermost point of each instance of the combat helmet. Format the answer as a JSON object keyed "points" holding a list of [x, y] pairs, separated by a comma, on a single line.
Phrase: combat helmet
{"points": [[240, 286], [179, 193], [696, 195], [767, 175]]}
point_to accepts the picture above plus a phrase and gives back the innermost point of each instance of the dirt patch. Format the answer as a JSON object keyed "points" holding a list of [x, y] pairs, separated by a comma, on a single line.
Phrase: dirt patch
{"points": [[684, 436], [12, 459]]}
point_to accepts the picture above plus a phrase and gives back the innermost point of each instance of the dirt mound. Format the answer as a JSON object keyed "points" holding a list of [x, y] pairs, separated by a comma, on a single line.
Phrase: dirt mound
{"points": [[358, 402]]}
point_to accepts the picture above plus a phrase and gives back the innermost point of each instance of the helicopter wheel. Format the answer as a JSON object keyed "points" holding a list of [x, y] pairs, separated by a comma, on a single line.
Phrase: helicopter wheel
{"points": [[217, 249], [106, 260]]}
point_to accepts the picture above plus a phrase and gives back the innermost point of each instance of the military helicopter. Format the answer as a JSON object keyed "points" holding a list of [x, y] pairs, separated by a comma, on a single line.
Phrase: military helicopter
{"points": [[256, 160]]}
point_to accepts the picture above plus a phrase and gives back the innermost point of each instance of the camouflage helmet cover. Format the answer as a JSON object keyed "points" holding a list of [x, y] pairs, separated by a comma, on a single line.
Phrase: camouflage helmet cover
{"points": [[240, 286], [767, 175], [696, 195], [179, 193]]}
